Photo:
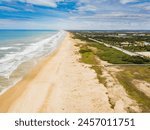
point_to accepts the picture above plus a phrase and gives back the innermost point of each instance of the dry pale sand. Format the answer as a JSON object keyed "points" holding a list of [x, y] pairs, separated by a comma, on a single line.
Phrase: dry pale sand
{"points": [[142, 86], [60, 83], [116, 92], [118, 98]]}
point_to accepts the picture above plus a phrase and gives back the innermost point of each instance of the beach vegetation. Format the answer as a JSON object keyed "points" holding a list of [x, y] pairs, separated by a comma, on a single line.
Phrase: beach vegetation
{"points": [[88, 56], [126, 77], [111, 54], [128, 73]]}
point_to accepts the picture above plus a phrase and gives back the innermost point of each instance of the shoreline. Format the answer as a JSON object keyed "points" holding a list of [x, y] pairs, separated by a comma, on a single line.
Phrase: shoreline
{"points": [[26, 65], [63, 83], [59, 83], [4, 106]]}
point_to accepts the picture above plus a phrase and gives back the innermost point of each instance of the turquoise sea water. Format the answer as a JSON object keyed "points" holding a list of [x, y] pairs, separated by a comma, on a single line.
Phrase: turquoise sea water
{"points": [[20, 35], [21, 49], [16, 40]]}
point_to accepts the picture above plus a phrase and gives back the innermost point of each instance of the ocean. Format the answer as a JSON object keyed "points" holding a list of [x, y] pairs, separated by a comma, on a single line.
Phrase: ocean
{"points": [[20, 51]]}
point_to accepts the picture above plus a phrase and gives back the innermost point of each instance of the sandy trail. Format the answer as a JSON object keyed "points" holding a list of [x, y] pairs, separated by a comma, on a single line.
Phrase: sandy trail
{"points": [[119, 99], [60, 83], [143, 86]]}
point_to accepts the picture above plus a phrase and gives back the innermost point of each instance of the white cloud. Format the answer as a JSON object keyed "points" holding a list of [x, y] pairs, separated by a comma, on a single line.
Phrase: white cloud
{"points": [[145, 6], [5, 8], [87, 8], [91, 1], [49, 3], [100, 25], [105, 15], [114, 16], [59, 24], [127, 1]]}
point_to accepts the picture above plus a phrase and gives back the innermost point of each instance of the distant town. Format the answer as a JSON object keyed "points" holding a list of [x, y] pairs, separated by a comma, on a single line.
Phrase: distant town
{"points": [[132, 43]]}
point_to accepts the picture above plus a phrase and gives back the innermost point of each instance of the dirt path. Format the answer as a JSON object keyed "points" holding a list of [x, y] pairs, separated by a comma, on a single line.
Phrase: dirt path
{"points": [[119, 99]]}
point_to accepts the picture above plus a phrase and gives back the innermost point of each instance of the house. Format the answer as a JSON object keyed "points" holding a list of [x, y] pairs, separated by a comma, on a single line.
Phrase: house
{"points": [[125, 44], [146, 43], [122, 35]]}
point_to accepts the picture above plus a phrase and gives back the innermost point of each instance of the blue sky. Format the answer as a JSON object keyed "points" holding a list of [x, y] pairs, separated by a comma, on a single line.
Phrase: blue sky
{"points": [[75, 14]]}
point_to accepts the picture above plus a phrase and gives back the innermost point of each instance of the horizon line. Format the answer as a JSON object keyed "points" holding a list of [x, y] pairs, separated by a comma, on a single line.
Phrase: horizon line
{"points": [[84, 29]]}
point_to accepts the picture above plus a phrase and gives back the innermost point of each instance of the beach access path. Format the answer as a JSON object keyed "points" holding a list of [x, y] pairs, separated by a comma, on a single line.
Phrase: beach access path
{"points": [[59, 83]]}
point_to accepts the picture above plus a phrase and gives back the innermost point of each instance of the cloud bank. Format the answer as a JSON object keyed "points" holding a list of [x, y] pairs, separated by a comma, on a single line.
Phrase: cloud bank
{"points": [[75, 14]]}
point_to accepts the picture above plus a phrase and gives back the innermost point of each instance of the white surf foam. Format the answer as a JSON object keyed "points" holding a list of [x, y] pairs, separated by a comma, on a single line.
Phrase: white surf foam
{"points": [[10, 62], [6, 48]]}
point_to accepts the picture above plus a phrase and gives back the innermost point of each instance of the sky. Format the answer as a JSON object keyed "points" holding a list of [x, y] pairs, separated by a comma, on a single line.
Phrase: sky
{"points": [[75, 14]]}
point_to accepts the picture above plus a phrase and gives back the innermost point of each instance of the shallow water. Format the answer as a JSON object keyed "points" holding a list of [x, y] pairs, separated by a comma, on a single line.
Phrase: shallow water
{"points": [[21, 50]]}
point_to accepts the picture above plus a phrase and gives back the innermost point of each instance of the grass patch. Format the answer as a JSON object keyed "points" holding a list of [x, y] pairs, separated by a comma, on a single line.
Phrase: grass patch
{"points": [[109, 54], [99, 73], [125, 78], [88, 56], [137, 48], [117, 57], [112, 55], [138, 72], [77, 36]]}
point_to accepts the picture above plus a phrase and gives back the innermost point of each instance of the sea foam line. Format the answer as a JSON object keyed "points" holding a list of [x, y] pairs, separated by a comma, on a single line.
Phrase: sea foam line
{"points": [[11, 61], [55, 39]]}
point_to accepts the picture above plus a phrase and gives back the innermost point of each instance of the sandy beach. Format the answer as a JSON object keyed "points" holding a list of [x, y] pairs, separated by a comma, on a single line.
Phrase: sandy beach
{"points": [[59, 83]]}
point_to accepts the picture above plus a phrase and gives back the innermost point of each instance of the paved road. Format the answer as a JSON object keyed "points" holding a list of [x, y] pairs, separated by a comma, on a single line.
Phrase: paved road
{"points": [[117, 48]]}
